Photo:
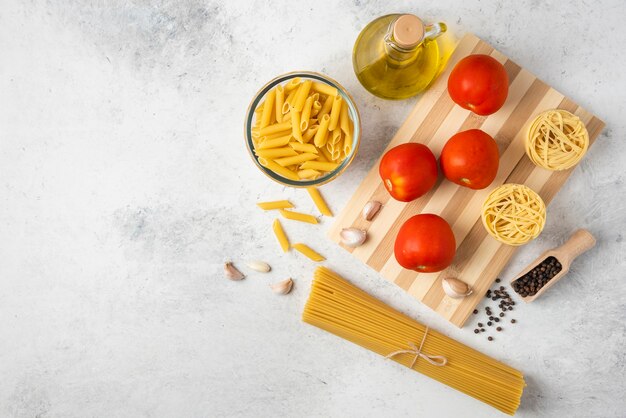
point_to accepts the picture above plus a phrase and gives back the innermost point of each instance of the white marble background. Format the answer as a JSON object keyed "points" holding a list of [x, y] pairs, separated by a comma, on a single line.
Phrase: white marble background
{"points": [[124, 185]]}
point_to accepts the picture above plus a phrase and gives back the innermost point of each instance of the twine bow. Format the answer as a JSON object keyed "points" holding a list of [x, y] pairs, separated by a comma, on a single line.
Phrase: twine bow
{"points": [[417, 351]]}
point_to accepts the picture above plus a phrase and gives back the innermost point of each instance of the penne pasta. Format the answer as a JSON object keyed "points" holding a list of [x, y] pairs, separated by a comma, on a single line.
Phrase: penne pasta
{"points": [[310, 133], [288, 101], [337, 150], [326, 107], [321, 134], [276, 204], [308, 174], [272, 136], [308, 252], [315, 108], [276, 152], [303, 93], [306, 114], [327, 155], [303, 147], [336, 135], [279, 232], [292, 135], [296, 159], [277, 127], [297, 216], [323, 88], [344, 119], [268, 108], [334, 113], [274, 143], [319, 165], [292, 84], [279, 101], [319, 201], [295, 125]]}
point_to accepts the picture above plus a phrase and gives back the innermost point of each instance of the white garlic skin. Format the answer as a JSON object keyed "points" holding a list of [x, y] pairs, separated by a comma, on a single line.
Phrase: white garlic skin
{"points": [[260, 266], [371, 209], [455, 288], [283, 287], [232, 273], [352, 237]]}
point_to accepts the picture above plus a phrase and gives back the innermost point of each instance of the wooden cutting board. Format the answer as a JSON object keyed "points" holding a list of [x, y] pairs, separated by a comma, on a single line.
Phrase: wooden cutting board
{"points": [[435, 118]]}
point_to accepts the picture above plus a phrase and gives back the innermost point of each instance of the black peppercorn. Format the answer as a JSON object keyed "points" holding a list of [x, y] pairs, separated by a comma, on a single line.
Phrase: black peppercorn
{"points": [[489, 323], [513, 321], [490, 338], [476, 331], [499, 329]]}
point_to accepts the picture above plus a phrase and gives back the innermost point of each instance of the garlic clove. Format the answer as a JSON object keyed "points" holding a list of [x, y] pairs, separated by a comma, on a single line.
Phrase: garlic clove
{"points": [[352, 237], [260, 266], [231, 272], [283, 287], [455, 288], [370, 209]]}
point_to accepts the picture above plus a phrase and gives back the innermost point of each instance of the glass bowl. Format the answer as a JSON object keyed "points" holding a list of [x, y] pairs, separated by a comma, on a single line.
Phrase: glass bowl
{"points": [[353, 112]]}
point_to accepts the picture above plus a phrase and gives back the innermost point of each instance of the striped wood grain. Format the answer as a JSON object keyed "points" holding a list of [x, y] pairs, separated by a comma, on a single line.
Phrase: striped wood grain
{"points": [[433, 121]]}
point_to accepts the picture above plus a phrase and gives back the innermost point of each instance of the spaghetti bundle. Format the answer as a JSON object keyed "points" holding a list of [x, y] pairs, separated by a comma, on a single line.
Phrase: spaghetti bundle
{"points": [[557, 140], [514, 214], [346, 311]]}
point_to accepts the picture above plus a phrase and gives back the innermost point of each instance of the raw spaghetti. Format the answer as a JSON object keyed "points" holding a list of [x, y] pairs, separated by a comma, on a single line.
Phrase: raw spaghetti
{"points": [[514, 214], [557, 140], [341, 308]]}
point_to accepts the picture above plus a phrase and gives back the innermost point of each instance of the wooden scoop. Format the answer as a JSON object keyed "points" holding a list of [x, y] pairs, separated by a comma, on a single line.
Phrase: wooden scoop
{"points": [[578, 243]]}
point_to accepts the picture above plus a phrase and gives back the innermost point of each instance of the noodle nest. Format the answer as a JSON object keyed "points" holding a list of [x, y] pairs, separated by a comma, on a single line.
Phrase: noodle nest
{"points": [[514, 214], [557, 140]]}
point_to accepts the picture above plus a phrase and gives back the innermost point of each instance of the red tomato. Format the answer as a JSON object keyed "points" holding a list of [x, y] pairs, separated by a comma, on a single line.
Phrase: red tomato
{"points": [[425, 243], [479, 83], [471, 159], [408, 171]]}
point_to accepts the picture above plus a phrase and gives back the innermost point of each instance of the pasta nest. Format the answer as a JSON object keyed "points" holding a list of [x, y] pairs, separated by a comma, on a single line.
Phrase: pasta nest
{"points": [[514, 214], [557, 140]]}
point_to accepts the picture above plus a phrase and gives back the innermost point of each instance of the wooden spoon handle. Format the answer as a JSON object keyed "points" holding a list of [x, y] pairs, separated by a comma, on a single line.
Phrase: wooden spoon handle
{"points": [[578, 243]]}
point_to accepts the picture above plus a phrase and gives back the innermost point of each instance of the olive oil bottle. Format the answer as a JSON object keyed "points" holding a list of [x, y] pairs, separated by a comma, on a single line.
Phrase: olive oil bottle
{"points": [[397, 56]]}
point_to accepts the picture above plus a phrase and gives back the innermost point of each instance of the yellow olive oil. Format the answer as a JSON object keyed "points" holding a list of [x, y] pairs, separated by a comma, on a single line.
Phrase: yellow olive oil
{"points": [[398, 63]]}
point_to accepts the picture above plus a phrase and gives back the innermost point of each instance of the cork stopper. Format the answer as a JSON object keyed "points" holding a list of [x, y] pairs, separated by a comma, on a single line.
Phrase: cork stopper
{"points": [[408, 31]]}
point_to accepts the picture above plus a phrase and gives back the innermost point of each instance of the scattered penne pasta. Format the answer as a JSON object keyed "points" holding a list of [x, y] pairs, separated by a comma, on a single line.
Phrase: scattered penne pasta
{"points": [[297, 216], [276, 204], [279, 232], [319, 201], [307, 251]]}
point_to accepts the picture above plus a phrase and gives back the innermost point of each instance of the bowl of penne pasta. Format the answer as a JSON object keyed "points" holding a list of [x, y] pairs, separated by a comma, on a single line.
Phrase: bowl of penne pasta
{"points": [[302, 129]]}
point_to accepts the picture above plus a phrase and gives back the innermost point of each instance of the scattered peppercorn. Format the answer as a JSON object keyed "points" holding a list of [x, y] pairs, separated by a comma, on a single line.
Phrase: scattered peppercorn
{"points": [[475, 311], [513, 321], [499, 329], [489, 323], [496, 319], [476, 331], [501, 314], [480, 324], [490, 338], [498, 280]]}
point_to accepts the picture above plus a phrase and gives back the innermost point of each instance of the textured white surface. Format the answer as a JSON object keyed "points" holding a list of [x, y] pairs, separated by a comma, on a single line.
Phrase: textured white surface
{"points": [[124, 185]]}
